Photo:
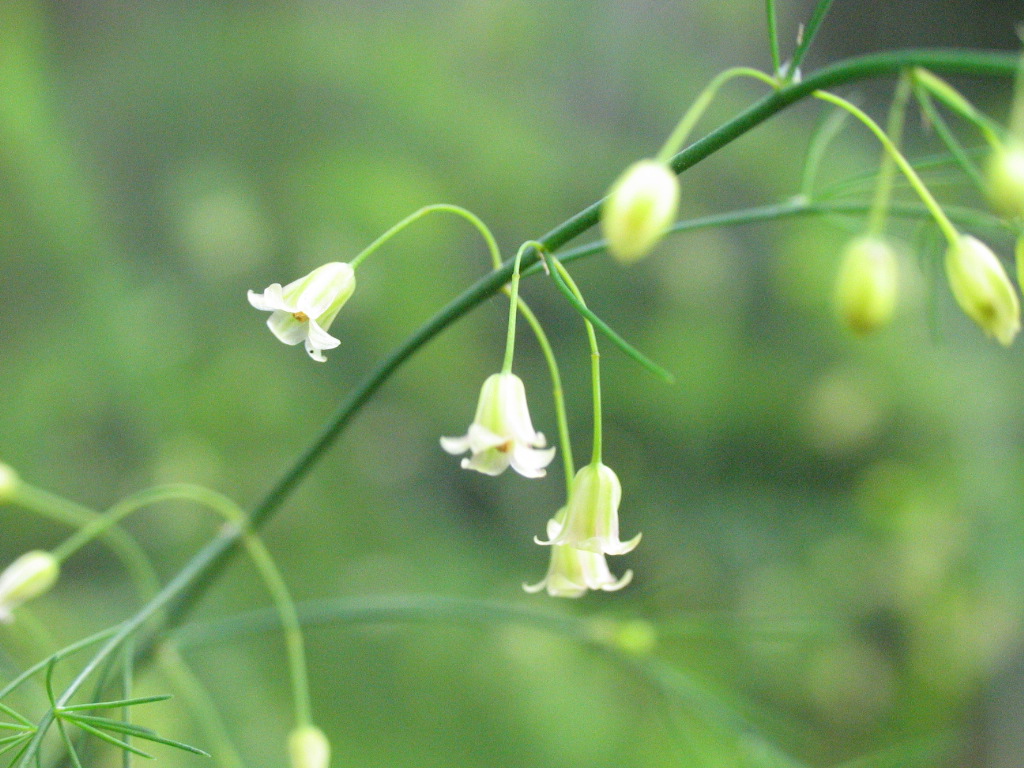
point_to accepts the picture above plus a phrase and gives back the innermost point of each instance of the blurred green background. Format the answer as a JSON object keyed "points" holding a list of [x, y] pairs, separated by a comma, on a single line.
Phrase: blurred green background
{"points": [[832, 526]]}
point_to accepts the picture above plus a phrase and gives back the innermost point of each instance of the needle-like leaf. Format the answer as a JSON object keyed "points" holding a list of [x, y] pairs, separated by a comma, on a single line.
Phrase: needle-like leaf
{"points": [[119, 704]]}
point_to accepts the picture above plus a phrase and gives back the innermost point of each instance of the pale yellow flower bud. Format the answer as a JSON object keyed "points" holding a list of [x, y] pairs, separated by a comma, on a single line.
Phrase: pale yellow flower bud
{"points": [[866, 286], [982, 289], [641, 205], [309, 747], [31, 575], [1004, 180]]}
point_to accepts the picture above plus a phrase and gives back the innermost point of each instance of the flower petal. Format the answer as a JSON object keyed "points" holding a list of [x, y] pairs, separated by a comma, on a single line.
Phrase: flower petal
{"points": [[286, 328], [491, 462], [320, 338], [483, 439], [626, 578], [455, 445], [530, 462], [270, 300]]}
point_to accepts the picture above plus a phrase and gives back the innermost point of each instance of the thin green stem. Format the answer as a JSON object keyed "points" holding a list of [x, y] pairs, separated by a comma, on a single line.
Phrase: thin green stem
{"points": [[199, 704], [827, 129], [807, 36], [64, 652], [127, 684], [595, 355], [197, 575], [887, 171], [915, 181], [469, 216], [953, 99], [122, 544], [773, 34], [513, 307], [261, 557], [556, 390], [797, 206], [947, 137], [1016, 126], [431, 608], [602, 326], [696, 111]]}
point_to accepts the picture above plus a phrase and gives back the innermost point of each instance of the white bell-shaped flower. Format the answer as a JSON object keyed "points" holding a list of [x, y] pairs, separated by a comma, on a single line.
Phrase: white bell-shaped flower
{"points": [[303, 310], [573, 572], [592, 514], [501, 433]]}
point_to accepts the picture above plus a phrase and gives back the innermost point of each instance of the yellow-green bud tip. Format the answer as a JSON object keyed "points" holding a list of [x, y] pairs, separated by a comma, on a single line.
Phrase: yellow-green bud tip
{"points": [[637, 637], [866, 286], [982, 289], [1004, 180], [9, 482], [31, 575], [640, 206], [309, 747]]}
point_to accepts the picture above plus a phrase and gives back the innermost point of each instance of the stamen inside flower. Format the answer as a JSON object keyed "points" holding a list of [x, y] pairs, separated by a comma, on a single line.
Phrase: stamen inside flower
{"points": [[302, 317]]}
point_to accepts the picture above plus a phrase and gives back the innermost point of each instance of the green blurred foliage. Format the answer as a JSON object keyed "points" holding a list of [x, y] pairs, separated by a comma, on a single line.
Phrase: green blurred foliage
{"points": [[832, 528]]}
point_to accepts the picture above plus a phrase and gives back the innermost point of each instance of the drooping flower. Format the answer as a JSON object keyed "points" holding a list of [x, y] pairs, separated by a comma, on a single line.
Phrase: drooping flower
{"points": [[501, 433], [640, 206], [866, 285], [308, 747], [31, 575], [982, 289], [592, 514], [573, 572], [303, 310]]}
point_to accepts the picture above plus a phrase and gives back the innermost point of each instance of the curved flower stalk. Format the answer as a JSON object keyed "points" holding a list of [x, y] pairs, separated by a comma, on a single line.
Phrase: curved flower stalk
{"points": [[303, 310], [502, 433], [592, 514], [572, 571]]}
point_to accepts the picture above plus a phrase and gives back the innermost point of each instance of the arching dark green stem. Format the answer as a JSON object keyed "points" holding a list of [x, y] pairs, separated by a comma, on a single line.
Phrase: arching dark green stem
{"points": [[190, 584]]}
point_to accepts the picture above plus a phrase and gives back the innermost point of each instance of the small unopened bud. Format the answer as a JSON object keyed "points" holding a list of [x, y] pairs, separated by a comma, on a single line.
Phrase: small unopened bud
{"points": [[982, 289], [309, 747], [9, 482], [866, 286], [28, 577], [641, 205], [1004, 180]]}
